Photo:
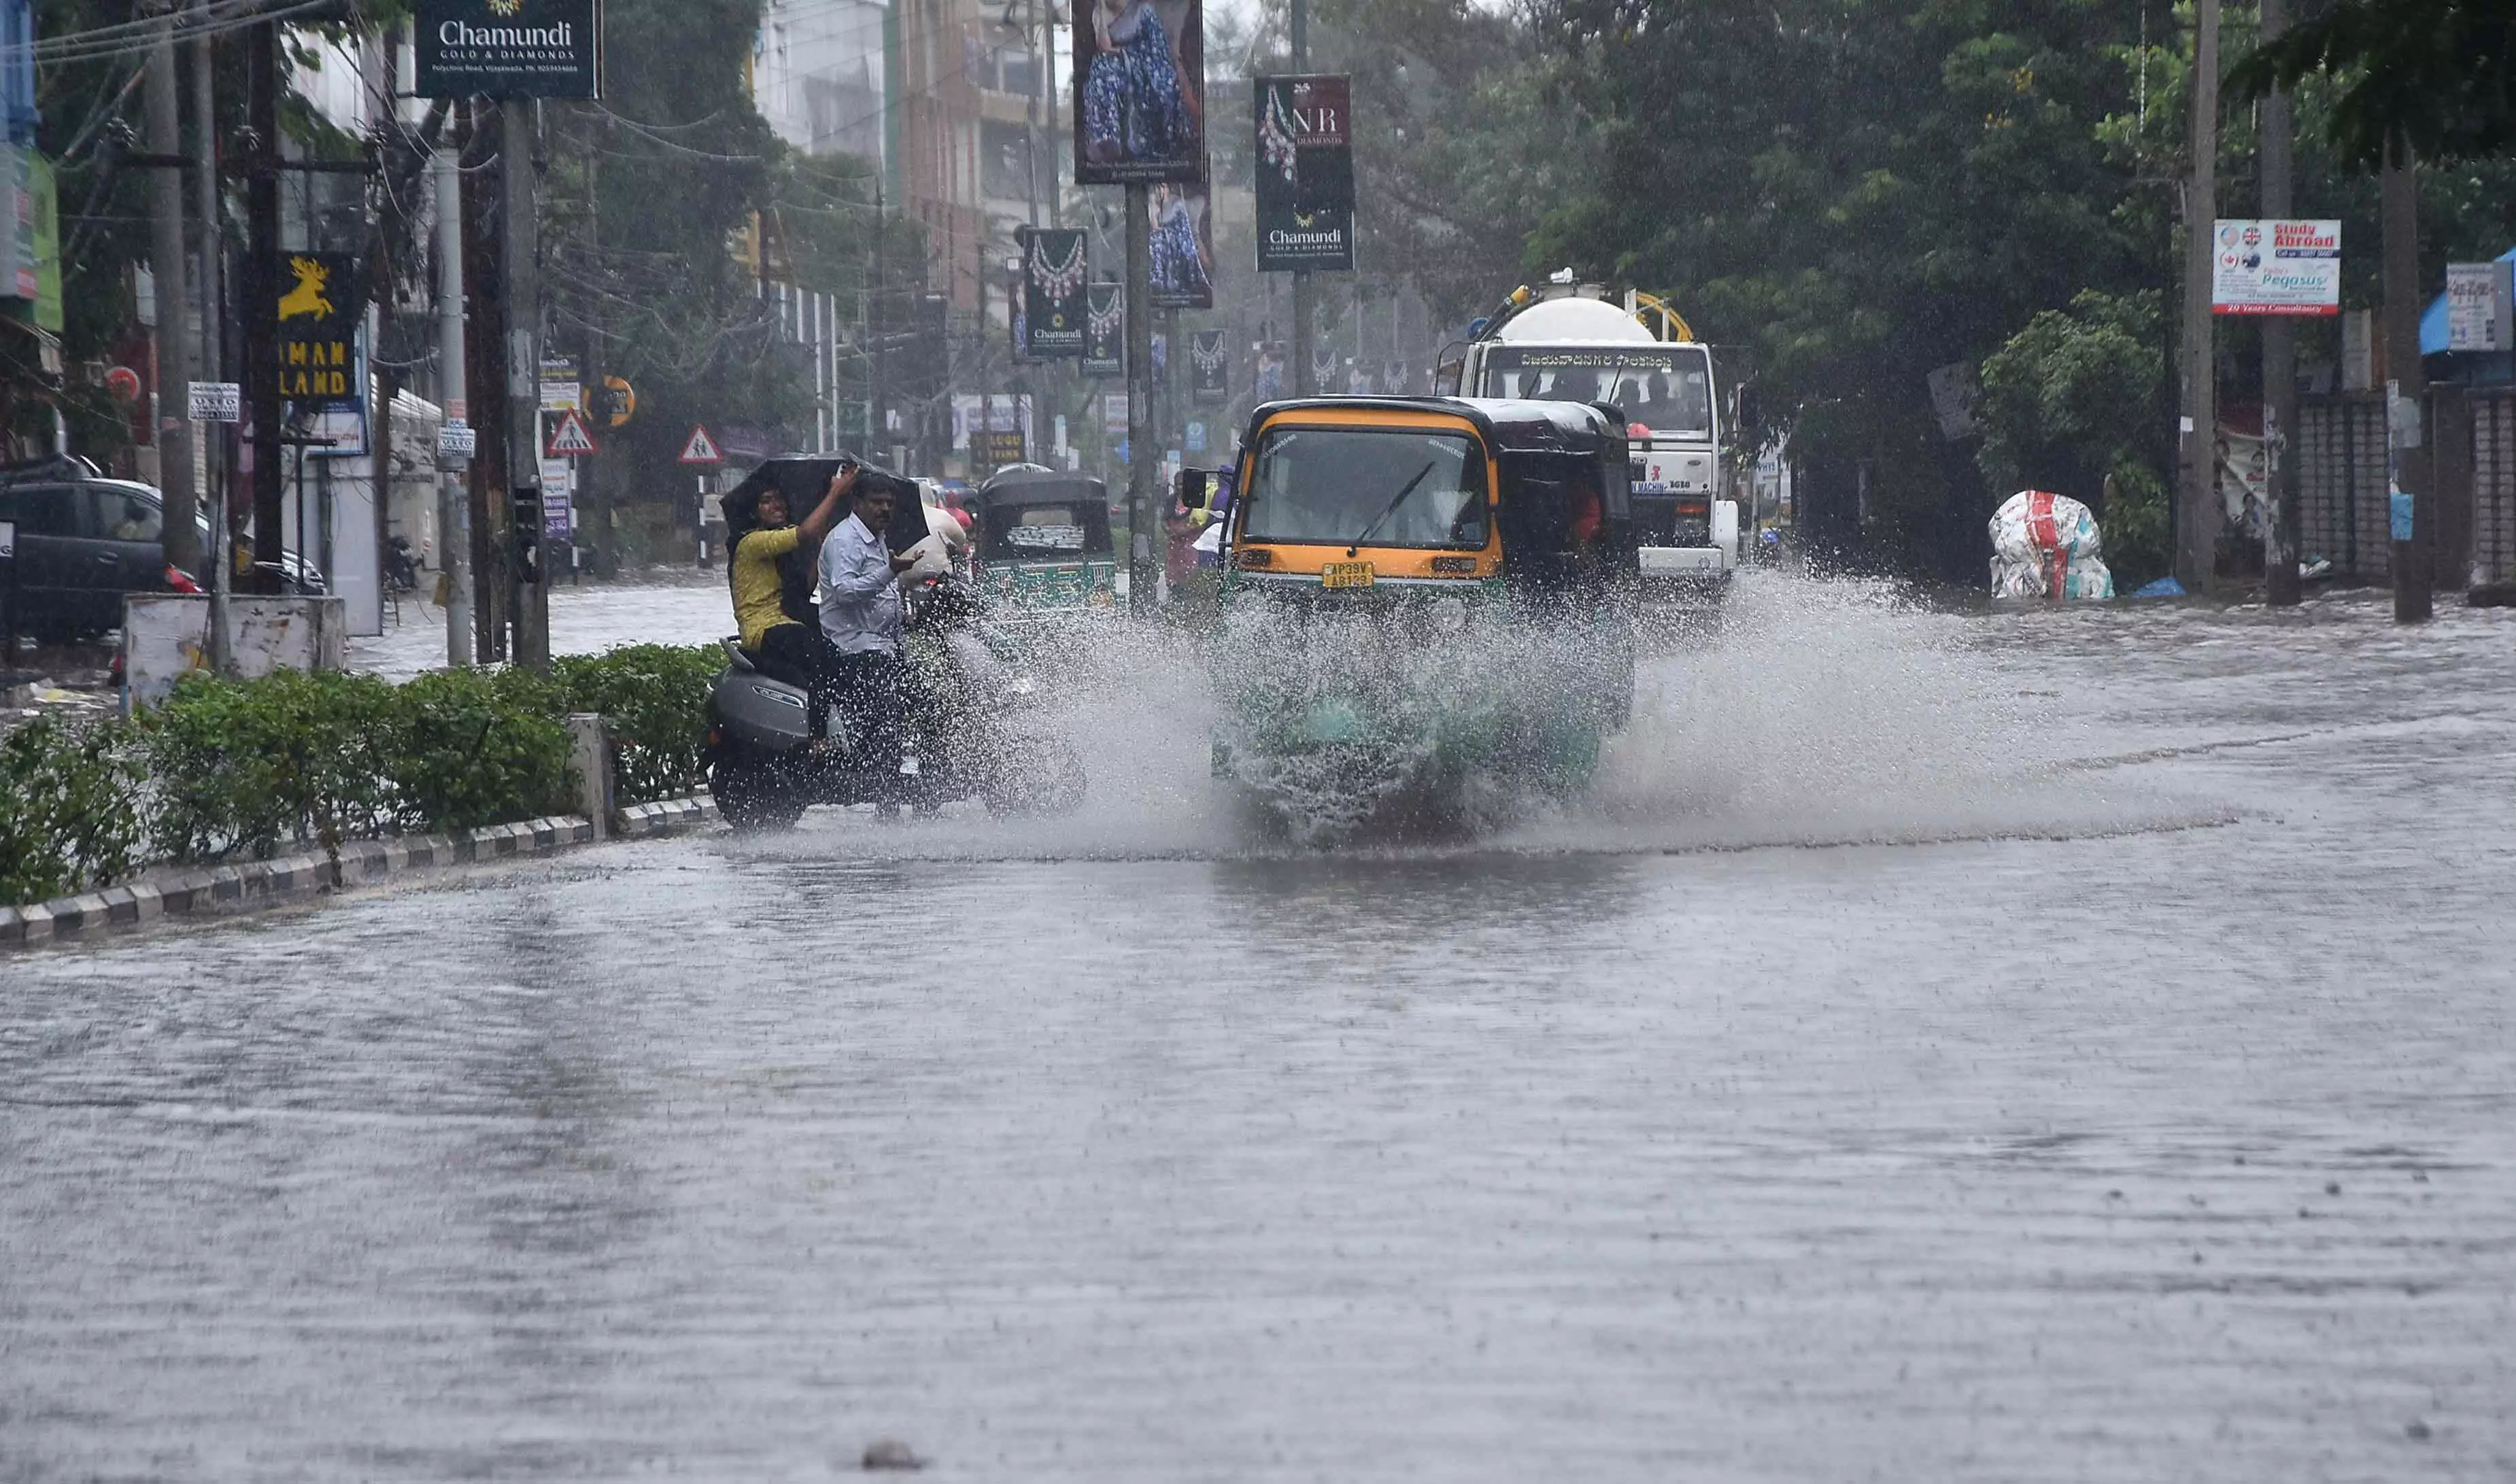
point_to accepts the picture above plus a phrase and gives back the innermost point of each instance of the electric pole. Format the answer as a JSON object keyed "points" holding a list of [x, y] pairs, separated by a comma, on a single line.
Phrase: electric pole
{"points": [[261, 298], [519, 286], [2406, 387], [2197, 519], [221, 562], [173, 421], [485, 370], [1143, 565], [877, 404], [1304, 383], [453, 504], [2280, 345]]}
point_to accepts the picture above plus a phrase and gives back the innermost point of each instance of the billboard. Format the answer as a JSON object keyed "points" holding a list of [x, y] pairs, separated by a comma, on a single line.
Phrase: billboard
{"points": [[2476, 308], [1305, 174], [1181, 241], [1054, 274], [1209, 360], [1105, 330], [2275, 267], [316, 317], [1139, 91], [508, 47]]}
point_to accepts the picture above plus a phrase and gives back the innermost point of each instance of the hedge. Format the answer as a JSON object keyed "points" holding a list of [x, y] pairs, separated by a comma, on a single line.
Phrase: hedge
{"points": [[247, 769]]}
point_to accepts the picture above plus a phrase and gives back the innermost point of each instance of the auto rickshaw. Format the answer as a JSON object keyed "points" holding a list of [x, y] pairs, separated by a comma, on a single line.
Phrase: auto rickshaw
{"points": [[1427, 610], [1042, 545]]}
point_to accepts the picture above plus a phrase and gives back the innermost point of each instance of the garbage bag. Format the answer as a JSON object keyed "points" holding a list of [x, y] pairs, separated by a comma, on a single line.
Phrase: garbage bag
{"points": [[2047, 546]]}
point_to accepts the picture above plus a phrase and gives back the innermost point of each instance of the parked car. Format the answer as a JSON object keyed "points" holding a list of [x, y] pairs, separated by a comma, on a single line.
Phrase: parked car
{"points": [[84, 541]]}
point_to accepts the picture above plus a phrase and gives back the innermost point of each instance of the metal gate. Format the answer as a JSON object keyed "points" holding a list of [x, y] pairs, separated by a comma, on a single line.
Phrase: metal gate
{"points": [[2342, 510], [2493, 485]]}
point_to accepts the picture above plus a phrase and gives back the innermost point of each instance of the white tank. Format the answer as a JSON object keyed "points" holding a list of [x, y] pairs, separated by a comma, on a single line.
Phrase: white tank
{"points": [[1573, 321]]}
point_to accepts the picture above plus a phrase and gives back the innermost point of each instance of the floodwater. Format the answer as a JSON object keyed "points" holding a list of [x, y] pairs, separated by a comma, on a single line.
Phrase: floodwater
{"points": [[2037, 1045]]}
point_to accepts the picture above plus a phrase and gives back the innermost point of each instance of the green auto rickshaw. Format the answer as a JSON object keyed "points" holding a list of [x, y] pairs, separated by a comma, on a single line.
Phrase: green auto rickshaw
{"points": [[1042, 543]]}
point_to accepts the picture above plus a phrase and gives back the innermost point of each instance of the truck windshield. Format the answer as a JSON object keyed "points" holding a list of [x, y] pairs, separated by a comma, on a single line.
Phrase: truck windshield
{"points": [[1331, 486], [1668, 390]]}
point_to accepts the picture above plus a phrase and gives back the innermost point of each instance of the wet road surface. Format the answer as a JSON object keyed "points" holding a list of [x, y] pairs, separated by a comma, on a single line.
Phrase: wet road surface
{"points": [[2030, 1046]]}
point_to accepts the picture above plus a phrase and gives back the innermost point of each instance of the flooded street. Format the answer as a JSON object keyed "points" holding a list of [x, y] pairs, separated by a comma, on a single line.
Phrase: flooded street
{"points": [[2038, 1046]]}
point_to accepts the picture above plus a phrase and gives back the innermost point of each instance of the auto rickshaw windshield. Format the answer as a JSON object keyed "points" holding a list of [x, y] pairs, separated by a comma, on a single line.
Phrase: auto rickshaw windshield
{"points": [[1380, 486]]}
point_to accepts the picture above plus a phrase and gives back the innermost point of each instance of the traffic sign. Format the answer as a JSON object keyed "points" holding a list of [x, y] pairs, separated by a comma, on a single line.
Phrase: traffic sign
{"points": [[456, 439], [569, 437], [217, 401], [8, 541], [702, 450], [622, 403]]}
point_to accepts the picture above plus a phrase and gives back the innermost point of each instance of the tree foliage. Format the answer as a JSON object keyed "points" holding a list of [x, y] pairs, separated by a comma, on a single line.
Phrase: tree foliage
{"points": [[2441, 74]]}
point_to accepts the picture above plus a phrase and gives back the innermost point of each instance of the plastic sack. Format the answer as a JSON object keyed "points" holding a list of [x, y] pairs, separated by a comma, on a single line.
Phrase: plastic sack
{"points": [[2046, 544]]}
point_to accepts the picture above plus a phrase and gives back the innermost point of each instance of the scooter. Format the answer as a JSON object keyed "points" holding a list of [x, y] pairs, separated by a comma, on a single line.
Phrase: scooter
{"points": [[765, 767]]}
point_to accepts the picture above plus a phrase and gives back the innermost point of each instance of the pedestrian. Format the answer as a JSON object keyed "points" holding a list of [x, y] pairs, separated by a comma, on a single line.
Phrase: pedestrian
{"points": [[784, 647], [861, 614]]}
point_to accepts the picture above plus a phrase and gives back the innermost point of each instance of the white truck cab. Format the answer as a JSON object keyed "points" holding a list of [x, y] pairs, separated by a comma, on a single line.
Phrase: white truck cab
{"points": [[1570, 343]]}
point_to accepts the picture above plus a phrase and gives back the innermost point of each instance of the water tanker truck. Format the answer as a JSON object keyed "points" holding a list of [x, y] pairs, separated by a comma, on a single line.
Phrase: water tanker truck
{"points": [[1564, 341]]}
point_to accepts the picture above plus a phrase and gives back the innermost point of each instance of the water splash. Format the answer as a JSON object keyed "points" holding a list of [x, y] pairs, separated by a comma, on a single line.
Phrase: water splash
{"points": [[1822, 712]]}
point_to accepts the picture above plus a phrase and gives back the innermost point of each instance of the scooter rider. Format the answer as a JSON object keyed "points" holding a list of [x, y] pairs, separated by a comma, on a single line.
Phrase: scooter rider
{"points": [[782, 645], [860, 618]]}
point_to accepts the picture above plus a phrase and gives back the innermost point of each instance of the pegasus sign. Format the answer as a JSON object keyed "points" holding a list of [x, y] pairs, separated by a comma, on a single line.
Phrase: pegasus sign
{"points": [[510, 48]]}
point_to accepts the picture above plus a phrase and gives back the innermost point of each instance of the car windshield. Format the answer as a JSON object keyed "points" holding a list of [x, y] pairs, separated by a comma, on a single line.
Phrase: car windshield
{"points": [[1386, 486], [1668, 390]]}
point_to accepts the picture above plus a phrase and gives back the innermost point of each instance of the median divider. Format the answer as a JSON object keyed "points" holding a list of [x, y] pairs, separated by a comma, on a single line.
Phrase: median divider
{"points": [[208, 890]]}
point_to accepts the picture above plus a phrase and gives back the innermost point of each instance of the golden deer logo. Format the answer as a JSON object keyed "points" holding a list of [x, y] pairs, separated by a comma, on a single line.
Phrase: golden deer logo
{"points": [[308, 296]]}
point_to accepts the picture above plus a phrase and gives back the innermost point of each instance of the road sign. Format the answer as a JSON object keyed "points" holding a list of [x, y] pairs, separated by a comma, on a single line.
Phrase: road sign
{"points": [[569, 437], [702, 450], [217, 401], [622, 402], [8, 541], [456, 439]]}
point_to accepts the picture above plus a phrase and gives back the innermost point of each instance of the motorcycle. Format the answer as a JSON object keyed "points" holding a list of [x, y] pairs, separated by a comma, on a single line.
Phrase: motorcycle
{"points": [[968, 686]]}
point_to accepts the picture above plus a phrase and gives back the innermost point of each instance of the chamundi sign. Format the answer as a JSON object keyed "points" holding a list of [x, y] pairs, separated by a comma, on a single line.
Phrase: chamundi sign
{"points": [[510, 48]]}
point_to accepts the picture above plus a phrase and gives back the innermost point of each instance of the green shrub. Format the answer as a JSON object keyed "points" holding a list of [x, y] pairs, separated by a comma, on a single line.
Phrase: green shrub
{"points": [[70, 808], [654, 698], [246, 767], [250, 768], [475, 746]]}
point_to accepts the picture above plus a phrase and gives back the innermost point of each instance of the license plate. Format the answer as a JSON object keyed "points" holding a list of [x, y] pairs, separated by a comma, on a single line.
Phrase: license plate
{"points": [[1346, 574]]}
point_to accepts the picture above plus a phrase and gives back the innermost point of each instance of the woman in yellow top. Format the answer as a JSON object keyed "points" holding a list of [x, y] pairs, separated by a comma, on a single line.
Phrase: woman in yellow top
{"points": [[782, 648]]}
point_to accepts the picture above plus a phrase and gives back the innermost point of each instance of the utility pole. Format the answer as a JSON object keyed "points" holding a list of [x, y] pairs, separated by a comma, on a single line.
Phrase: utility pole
{"points": [[1143, 564], [2196, 521], [453, 504], [519, 283], [173, 422], [2280, 344], [261, 330], [485, 370], [2405, 387], [878, 406], [1304, 383], [214, 358]]}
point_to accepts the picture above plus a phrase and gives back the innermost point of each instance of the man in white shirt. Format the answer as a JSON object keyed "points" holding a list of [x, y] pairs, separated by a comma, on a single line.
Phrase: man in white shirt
{"points": [[860, 618]]}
